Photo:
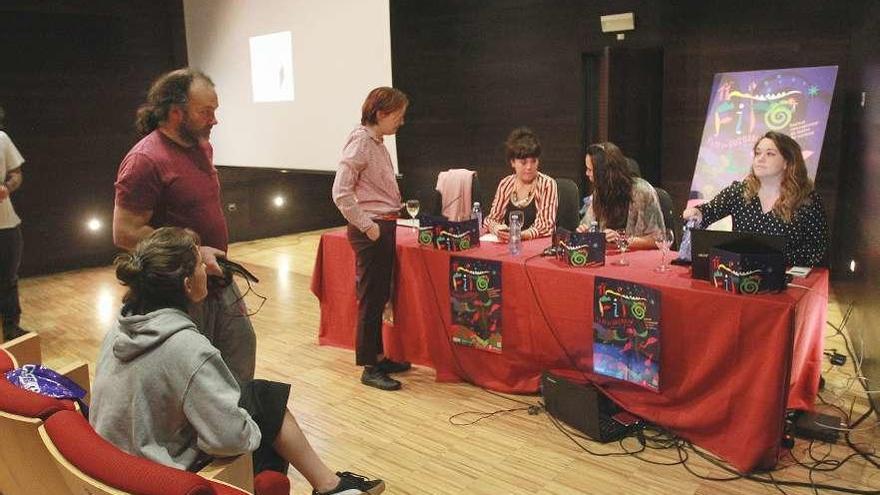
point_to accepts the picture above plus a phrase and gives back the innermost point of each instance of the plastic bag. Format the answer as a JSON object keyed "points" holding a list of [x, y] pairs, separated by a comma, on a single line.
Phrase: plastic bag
{"points": [[45, 381]]}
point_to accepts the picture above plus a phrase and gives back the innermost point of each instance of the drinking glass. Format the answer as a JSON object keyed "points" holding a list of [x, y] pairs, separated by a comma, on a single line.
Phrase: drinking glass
{"points": [[622, 244], [664, 240], [412, 207]]}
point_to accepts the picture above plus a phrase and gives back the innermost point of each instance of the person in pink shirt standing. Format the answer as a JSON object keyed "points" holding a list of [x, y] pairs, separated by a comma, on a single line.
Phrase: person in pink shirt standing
{"points": [[366, 193]]}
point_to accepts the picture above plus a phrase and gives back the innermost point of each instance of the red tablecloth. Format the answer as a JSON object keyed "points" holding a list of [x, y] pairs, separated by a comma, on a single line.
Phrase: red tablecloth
{"points": [[730, 364]]}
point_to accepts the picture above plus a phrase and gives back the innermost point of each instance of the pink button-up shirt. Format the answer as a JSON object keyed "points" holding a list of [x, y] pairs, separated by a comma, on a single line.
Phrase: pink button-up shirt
{"points": [[365, 186]]}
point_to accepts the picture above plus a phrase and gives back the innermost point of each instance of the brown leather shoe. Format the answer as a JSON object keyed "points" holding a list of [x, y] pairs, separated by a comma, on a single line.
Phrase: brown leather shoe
{"points": [[373, 376]]}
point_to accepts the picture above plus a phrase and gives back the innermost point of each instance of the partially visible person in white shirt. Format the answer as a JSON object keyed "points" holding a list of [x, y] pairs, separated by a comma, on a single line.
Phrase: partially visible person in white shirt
{"points": [[11, 243]]}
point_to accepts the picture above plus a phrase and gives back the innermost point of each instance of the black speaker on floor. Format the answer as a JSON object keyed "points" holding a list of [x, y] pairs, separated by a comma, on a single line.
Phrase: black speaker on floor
{"points": [[583, 407]]}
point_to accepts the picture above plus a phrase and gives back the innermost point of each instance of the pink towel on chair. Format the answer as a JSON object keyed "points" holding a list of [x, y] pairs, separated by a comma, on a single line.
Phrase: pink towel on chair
{"points": [[454, 186]]}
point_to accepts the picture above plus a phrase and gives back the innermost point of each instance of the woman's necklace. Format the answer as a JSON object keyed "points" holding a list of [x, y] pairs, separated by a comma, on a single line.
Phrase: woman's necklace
{"points": [[522, 194]]}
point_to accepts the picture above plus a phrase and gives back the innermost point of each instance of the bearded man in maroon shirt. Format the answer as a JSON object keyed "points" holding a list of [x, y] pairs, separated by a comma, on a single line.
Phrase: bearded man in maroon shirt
{"points": [[168, 179]]}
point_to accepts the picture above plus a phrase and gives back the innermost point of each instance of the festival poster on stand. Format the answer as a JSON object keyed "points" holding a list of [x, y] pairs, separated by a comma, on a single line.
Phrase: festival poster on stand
{"points": [[475, 300], [626, 332], [745, 105]]}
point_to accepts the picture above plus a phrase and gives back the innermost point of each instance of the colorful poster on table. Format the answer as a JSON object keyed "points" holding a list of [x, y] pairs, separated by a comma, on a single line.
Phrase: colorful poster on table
{"points": [[745, 105], [475, 300], [626, 332]]}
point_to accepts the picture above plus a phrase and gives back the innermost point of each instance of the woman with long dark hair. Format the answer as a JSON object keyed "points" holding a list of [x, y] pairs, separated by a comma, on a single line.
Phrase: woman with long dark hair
{"points": [[621, 202], [163, 392], [776, 197]]}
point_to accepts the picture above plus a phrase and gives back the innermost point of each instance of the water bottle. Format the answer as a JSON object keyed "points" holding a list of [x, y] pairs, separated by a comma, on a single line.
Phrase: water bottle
{"points": [[477, 213], [594, 226], [684, 249], [515, 224], [515, 245]]}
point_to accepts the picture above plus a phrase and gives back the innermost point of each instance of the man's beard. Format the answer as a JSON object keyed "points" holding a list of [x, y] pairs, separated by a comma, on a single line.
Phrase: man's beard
{"points": [[190, 134]]}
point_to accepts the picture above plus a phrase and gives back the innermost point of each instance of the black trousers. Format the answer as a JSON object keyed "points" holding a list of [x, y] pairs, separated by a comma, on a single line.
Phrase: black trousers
{"points": [[266, 402], [11, 246], [374, 270]]}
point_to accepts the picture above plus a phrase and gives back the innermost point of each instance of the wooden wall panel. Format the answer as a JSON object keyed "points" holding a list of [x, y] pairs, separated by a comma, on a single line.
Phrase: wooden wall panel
{"points": [[73, 75]]}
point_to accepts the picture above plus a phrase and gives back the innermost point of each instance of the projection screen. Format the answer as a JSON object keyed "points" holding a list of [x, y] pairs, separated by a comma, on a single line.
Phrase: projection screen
{"points": [[290, 75]]}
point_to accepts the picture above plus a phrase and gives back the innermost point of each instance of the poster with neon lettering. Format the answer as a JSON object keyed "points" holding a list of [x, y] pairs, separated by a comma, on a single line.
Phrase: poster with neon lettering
{"points": [[743, 106], [626, 332], [475, 302]]}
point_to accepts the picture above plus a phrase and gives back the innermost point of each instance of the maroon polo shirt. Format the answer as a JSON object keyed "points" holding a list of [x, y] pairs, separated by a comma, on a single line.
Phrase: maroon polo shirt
{"points": [[179, 184]]}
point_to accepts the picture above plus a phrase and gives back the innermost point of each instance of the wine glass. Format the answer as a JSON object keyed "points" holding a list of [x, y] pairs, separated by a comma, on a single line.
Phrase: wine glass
{"points": [[664, 240], [412, 207], [622, 244]]}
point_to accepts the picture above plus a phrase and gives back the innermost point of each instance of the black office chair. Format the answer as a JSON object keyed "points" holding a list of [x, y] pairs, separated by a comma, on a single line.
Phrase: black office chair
{"points": [[670, 218], [567, 211]]}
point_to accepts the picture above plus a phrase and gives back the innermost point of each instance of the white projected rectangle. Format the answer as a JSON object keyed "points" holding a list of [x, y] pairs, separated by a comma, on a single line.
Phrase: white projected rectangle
{"points": [[328, 54], [272, 67]]}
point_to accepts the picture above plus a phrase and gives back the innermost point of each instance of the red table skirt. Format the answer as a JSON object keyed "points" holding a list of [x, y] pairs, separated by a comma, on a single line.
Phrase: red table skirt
{"points": [[730, 364]]}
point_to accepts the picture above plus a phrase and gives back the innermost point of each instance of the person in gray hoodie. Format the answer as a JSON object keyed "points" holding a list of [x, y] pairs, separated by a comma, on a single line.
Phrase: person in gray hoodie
{"points": [[163, 392]]}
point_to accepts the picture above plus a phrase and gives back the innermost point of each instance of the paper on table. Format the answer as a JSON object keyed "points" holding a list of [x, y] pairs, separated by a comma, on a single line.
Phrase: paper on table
{"points": [[489, 237], [799, 271], [408, 222]]}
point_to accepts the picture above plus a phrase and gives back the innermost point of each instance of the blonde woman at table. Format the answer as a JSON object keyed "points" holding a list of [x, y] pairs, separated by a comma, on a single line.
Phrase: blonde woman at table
{"points": [[621, 201], [776, 197], [365, 191], [526, 189]]}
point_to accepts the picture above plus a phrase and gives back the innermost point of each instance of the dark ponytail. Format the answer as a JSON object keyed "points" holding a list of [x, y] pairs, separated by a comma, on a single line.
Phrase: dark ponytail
{"points": [[155, 270]]}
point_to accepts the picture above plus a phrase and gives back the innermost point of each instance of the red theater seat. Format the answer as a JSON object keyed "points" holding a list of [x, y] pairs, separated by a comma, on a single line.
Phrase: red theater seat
{"points": [[88, 462], [25, 466]]}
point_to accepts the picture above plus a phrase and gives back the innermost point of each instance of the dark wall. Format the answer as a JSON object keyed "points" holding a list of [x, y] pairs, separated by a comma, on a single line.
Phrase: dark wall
{"points": [[73, 74], [248, 195], [476, 69], [858, 230], [705, 38]]}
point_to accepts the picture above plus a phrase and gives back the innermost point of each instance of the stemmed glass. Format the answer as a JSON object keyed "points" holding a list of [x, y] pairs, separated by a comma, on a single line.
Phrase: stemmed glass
{"points": [[664, 240], [412, 207], [622, 244]]}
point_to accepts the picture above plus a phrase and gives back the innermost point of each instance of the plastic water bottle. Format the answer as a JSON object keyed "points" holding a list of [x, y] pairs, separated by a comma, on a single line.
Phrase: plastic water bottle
{"points": [[594, 226], [515, 244], [477, 213], [684, 249]]}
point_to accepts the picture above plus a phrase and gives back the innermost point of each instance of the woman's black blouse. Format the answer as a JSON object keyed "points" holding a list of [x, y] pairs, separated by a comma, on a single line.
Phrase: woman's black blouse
{"points": [[807, 233]]}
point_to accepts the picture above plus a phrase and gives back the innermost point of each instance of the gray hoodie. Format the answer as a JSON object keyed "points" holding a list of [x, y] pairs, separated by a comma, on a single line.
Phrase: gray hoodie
{"points": [[162, 392]]}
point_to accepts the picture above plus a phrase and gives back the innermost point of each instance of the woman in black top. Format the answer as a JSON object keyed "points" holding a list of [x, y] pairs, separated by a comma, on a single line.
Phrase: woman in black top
{"points": [[776, 197]]}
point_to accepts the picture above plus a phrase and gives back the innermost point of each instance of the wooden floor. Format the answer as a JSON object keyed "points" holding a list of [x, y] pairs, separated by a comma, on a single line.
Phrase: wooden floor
{"points": [[406, 437]]}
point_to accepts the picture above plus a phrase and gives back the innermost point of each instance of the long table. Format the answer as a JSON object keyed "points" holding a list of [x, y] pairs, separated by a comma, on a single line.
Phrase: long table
{"points": [[730, 364]]}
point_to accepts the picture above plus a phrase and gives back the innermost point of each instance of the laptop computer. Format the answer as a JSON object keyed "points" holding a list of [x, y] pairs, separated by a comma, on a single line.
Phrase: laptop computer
{"points": [[702, 241], [583, 407]]}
